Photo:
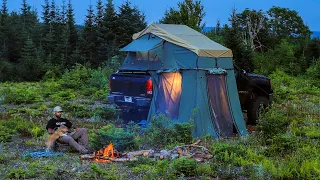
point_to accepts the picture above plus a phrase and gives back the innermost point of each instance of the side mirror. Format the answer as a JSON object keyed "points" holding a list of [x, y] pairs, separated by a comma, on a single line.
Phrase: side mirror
{"points": [[244, 72]]}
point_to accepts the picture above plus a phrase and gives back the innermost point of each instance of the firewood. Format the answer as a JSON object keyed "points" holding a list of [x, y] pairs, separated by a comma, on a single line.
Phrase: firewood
{"points": [[197, 142], [87, 156], [198, 159], [138, 153], [118, 159]]}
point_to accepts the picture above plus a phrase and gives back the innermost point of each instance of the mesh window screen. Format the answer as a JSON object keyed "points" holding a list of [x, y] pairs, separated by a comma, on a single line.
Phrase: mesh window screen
{"points": [[220, 110]]}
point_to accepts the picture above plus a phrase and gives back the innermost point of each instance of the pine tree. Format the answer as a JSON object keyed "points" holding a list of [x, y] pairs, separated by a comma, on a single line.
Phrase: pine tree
{"points": [[4, 30], [132, 20], [30, 67], [99, 15], [108, 36], [73, 36], [47, 42], [88, 37], [242, 55]]}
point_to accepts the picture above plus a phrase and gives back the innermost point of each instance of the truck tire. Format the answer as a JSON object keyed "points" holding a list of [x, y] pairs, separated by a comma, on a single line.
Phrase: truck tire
{"points": [[254, 109]]}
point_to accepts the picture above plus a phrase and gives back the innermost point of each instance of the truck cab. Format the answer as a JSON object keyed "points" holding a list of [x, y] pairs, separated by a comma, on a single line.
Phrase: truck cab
{"points": [[255, 92]]}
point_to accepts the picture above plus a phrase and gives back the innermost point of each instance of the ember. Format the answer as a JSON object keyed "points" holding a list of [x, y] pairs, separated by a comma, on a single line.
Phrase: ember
{"points": [[105, 154]]}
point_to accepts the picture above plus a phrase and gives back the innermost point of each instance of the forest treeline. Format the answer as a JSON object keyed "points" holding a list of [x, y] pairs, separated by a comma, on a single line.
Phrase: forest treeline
{"points": [[32, 44]]}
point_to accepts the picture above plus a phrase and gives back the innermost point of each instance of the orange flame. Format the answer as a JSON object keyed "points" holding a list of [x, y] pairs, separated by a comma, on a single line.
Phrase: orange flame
{"points": [[105, 153]]}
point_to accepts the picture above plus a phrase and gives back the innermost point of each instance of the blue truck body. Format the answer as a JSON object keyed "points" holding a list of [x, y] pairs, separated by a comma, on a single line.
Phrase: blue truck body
{"points": [[130, 92]]}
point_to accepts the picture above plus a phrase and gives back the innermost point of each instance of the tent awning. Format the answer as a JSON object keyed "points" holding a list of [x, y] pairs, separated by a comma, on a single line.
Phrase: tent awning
{"points": [[188, 38], [142, 44]]}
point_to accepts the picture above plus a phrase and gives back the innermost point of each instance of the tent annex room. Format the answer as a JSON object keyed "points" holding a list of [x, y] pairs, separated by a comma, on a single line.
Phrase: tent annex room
{"points": [[193, 77]]}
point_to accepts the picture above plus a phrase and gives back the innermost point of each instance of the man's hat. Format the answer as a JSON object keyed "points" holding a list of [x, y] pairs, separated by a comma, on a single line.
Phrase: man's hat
{"points": [[57, 109]]}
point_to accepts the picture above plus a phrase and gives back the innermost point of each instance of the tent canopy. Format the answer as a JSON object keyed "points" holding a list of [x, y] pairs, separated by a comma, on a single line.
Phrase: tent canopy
{"points": [[188, 38], [142, 45]]}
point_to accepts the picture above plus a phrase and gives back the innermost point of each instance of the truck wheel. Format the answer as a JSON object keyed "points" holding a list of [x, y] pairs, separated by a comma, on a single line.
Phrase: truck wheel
{"points": [[255, 107]]}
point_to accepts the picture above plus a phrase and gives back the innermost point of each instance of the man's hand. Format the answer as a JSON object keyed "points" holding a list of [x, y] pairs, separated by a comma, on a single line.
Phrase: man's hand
{"points": [[78, 129], [50, 131]]}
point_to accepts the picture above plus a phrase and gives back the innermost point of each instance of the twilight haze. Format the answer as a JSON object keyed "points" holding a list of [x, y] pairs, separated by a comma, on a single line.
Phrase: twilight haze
{"points": [[215, 9]]}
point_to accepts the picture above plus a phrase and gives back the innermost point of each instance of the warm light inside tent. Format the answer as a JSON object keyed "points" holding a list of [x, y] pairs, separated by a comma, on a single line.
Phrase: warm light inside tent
{"points": [[170, 93]]}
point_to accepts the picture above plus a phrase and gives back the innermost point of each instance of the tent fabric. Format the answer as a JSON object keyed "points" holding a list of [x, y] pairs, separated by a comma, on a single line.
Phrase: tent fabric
{"points": [[220, 111], [195, 103], [173, 57], [235, 103], [169, 93], [144, 44], [188, 38], [188, 85]]}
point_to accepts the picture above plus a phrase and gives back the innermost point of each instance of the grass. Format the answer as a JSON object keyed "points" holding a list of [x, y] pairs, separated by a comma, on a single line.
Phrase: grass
{"points": [[285, 146]]}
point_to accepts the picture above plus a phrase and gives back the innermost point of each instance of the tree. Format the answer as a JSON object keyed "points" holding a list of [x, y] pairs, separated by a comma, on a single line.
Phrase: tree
{"points": [[132, 20], [108, 34], [88, 37], [30, 66], [286, 23], [253, 23], [73, 36], [4, 30], [189, 13], [216, 33], [99, 15], [242, 54]]}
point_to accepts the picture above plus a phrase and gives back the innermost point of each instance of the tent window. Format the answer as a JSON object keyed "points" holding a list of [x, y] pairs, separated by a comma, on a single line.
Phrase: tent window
{"points": [[219, 102], [169, 93], [147, 56]]}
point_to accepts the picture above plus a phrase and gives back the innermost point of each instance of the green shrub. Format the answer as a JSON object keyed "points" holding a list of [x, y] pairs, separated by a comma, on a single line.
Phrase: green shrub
{"points": [[22, 126], [121, 139], [50, 87], [96, 172], [185, 166], [313, 72], [281, 145], [274, 121], [61, 96], [21, 174], [26, 111], [52, 74], [99, 78], [76, 78], [22, 93], [105, 112], [160, 132]]}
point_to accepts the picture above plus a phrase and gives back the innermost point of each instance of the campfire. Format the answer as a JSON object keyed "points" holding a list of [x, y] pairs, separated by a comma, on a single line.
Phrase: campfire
{"points": [[109, 154], [106, 154]]}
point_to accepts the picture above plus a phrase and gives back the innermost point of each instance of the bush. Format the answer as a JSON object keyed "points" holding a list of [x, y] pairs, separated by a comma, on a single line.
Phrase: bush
{"points": [[76, 78], [105, 112], [185, 166], [61, 96], [273, 123], [160, 132], [21, 93], [313, 72], [121, 139], [22, 126], [50, 87]]}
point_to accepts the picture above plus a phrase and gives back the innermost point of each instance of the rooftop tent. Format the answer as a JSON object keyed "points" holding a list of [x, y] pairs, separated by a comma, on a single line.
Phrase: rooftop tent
{"points": [[193, 77]]}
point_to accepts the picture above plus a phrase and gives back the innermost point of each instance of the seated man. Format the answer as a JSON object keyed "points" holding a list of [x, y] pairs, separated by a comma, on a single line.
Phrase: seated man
{"points": [[80, 134]]}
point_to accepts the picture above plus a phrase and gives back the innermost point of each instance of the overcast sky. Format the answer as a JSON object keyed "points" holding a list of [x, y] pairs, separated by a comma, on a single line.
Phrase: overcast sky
{"points": [[309, 10]]}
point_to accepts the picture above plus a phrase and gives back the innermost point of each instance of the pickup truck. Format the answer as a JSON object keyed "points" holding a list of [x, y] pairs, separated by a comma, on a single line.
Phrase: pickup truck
{"points": [[132, 92]]}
